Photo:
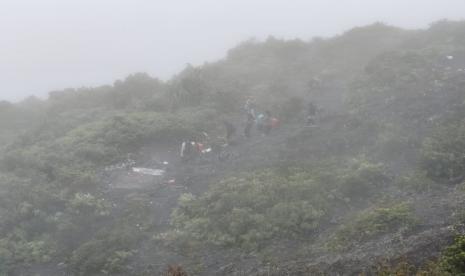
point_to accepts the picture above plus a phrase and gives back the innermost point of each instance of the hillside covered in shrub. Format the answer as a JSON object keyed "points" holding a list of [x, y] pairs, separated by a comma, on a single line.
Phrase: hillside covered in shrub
{"points": [[377, 187]]}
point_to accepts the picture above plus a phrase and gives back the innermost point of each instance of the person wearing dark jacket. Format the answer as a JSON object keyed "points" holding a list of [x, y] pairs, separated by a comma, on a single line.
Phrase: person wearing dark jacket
{"points": [[230, 130], [311, 114], [249, 124]]}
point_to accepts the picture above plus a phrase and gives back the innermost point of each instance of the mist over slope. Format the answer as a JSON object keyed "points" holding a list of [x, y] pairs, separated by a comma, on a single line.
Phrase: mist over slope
{"points": [[377, 187]]}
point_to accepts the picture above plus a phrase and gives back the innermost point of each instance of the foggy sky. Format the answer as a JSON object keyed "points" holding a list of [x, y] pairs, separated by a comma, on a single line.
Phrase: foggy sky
{"points": [[54, 44]]}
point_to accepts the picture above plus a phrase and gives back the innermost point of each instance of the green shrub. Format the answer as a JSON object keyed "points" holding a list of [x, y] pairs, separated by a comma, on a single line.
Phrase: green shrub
{"points": [[200, 118], [108, 139], [106, 254], [251, 209], [372, 223], [362, 179], [400, 269], [417, 181], [87, 204], [453, 258], [451, 262], [17, 249], [405, 268], [394, 143], [443, 154]]}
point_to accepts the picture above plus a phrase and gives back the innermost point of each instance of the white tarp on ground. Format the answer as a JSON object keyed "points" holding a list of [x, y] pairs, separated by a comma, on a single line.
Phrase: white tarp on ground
{"points": [[153, 172], [120, 166]]}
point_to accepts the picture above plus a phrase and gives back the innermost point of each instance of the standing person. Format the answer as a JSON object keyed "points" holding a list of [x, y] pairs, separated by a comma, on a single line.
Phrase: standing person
{"points": [[185, 150], [230, 130], [189, 150], [249, 107], [311, 114], [267, 123], [274, 122], [249, 124], [260, 121]]}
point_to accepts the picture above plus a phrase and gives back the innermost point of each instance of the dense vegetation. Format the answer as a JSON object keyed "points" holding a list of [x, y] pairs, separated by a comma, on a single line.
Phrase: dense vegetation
{"points": [[251, 209], [391, 136]]}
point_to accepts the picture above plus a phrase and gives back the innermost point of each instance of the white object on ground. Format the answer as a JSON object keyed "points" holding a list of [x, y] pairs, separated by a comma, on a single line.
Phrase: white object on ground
{"points": [[154, 172], [450, 57], [207, 150], [165, 163]]}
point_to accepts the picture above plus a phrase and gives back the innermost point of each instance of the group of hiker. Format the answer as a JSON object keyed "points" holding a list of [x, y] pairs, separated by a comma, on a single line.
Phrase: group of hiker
{"points": [[190, 148], [262, 122]]}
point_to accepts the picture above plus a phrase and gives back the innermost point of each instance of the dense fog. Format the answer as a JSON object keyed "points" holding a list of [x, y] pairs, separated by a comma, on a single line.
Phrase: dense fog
{"points": [[331, 144], [51, 44]]}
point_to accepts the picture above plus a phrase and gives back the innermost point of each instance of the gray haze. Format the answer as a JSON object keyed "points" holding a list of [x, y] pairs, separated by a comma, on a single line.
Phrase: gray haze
{"points": [[54, 44]]}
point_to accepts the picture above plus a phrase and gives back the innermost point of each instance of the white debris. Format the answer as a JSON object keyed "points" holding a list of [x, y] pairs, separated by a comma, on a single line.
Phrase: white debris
{"points": [[165, 163], [154, 172], [450, 57], [206, 150], [120, 166]]}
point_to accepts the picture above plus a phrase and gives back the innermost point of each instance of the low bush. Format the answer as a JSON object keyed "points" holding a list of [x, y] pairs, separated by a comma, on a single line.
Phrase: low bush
{"points": [[404, 268], [16, 248], [417, 181], [249, 210], [362, 179], [453, 258], [372, 223], [443, 154], [450, 263], [105, 254], [103, 141]]}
